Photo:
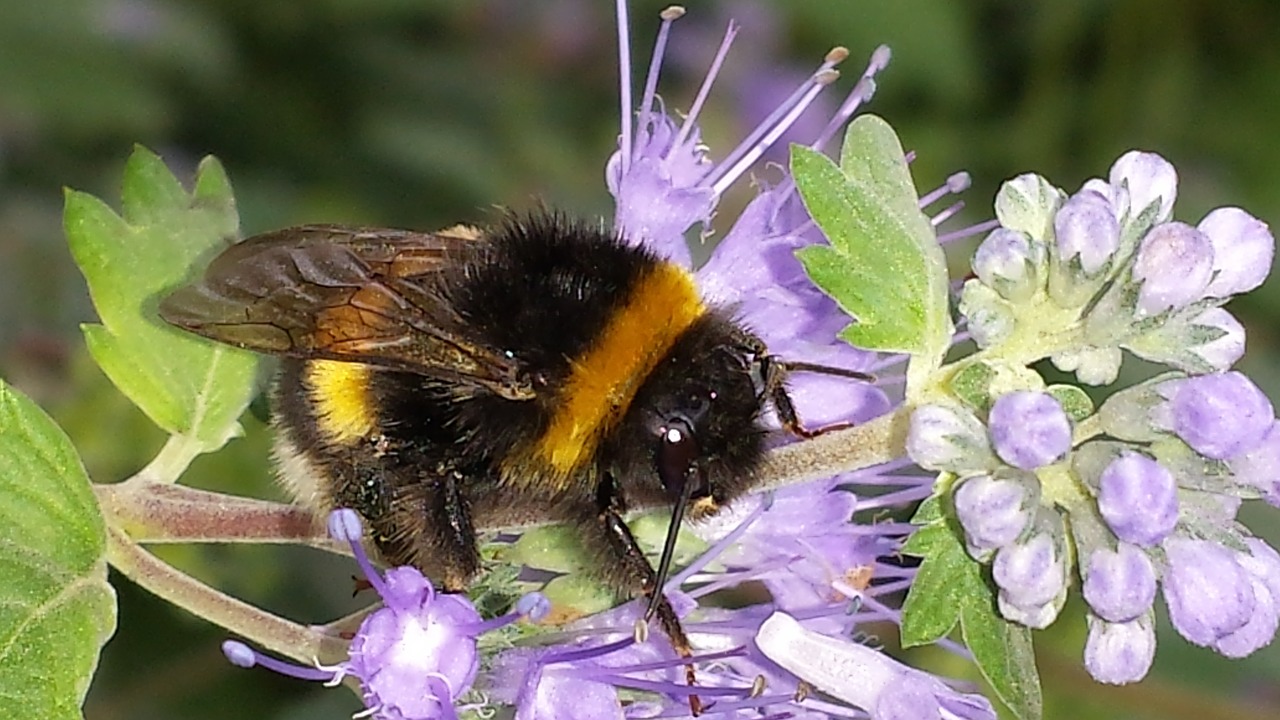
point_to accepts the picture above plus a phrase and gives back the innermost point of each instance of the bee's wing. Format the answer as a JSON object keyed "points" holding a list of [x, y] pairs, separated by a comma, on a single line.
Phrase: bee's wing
{"points": [[339, 293]]}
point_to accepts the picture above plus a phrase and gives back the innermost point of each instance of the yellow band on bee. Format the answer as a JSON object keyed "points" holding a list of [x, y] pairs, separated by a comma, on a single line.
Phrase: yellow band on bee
{"points": [[340, 391], [603, 382]]}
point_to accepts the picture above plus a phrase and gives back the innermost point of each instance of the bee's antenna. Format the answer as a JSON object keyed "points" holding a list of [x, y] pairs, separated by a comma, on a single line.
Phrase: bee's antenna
{"points": [[791, 366]]}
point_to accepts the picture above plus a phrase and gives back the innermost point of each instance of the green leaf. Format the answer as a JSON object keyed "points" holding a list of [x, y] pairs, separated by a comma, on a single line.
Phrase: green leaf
{"points": [[56, 607], [884, 265], [186, 385], [928, 613], [950, 588], [1005, 656]]}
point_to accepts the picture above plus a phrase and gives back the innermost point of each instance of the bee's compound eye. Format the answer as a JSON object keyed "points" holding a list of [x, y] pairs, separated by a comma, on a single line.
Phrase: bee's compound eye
{"points": [[677, 456]]}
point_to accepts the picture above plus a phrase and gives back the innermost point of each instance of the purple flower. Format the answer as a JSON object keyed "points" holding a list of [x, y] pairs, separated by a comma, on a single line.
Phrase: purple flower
{"points": [[416, 654], [798, 542], [1242, 251], [1086, 228], [1210, 596], [863, 677], [1032, 576], [1120, 653], [1174, 264], [662, 178], [664, 182], [1120, 584], [1138, 498], [1029, 429], [1220, 416], [993, 512]]}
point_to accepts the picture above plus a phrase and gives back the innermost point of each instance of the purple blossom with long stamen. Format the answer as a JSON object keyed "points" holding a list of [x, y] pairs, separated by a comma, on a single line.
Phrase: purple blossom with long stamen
{"points": [[827, 572], [414, 657]]}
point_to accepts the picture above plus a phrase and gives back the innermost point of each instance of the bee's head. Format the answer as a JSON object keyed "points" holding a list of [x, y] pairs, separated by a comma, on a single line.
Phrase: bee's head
{"points": [[692, 437], [694, 427]]}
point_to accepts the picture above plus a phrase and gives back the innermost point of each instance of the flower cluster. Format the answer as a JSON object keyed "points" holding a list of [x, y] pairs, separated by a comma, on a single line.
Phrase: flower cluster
{"points": [[825, 575], [758, 660], [1143, 492], [664, 183]]}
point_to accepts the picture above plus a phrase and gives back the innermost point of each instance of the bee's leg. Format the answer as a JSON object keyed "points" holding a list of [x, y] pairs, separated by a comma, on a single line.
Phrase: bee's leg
{"points": [[455, 541], [775, 371], [628, 568], [422, 520]]}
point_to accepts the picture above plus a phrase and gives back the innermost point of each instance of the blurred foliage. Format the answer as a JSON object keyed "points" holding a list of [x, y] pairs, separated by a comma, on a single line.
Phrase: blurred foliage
{"points": [[425, 113]]}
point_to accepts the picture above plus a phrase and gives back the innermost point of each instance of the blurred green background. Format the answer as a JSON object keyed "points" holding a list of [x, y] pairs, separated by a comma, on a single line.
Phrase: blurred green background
{"points": [[421, 114]]}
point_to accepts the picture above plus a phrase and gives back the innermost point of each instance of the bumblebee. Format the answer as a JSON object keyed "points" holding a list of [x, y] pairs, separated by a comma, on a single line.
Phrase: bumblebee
{"points": [[541, 370]]}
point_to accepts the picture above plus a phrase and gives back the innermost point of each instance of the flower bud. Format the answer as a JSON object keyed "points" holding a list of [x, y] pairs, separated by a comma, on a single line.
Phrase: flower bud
{"points": [[1092, 365], [1087, 231], [945, 437], [1220, 416], [1211, 341], [1242, 251], [1032, 576], [991, 317], [993, 511], [1209, 595], [1225, 350], [1260, 467], [1027, 204], [1120, 584], [1120, 653], [1138, 498], [1029, 429], [1008, 262], [1174, 263], [1087, 235], [1141, 180], [1262, 564]]}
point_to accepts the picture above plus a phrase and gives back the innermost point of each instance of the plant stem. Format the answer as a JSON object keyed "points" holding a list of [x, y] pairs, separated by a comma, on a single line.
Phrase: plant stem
{"points": [[172, 460], [840, 451], [150, 511], [298, 642]]}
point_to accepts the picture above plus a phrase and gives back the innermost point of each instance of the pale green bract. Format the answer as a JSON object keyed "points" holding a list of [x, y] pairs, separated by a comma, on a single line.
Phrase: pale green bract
{"points": [[884, 266], [190, 387]]}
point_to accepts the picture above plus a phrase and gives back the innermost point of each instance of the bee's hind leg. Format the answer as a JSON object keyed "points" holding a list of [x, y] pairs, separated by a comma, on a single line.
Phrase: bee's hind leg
{"points": [[424, 522]]}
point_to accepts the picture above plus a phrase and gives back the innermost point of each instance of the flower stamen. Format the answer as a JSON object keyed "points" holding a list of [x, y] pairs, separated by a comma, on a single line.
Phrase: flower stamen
{"points": [[704, 90], [669, 16]]}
